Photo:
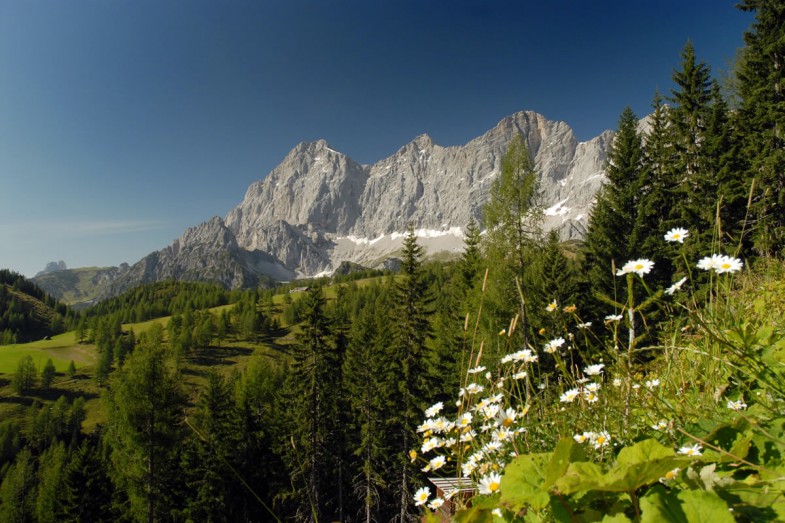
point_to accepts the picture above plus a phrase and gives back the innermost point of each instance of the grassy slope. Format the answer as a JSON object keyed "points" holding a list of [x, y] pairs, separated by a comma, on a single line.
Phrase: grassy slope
{"points": [[230, 356]]}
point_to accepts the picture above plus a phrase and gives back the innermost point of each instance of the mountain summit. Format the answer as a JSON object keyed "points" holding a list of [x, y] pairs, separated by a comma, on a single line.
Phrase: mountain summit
{"points": [[319, 208]]}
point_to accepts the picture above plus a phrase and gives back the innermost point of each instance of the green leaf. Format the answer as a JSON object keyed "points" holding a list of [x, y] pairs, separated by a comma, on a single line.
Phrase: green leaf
{"points": [[567, 451], [701, 506], [641, 464], [659, 505], [579, 477], [523, 482], [474, 515], [643, 451], [687, 506], [627, 478], [616, 518]]}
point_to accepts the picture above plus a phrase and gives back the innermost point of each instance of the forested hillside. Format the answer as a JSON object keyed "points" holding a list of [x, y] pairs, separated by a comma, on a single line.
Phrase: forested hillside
{"points": [[26, 312], [635, 378]]}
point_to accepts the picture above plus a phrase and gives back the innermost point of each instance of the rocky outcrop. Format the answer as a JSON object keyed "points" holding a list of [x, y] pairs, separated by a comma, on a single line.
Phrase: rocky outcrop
{"points": [[207, 252], [319, 207]]}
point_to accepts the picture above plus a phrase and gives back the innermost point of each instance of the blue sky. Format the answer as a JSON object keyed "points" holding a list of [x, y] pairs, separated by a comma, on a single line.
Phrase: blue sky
{"points": [[124, 122]]}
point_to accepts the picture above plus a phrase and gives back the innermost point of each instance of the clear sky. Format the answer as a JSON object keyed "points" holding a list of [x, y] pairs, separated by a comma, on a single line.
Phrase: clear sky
{"points": [[122, 123]]}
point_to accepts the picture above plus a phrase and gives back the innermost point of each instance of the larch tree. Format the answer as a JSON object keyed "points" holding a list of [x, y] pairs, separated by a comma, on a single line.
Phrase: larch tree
{"points": [[145, 409], [512, 218]]}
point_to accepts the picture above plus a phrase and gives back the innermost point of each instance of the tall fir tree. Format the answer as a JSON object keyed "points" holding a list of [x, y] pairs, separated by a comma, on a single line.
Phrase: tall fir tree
{"points": [[690, 114], [86, 493], [411, 330], [209, 458], [761, 117], [369, 389], [611, 238], [311, 404]]}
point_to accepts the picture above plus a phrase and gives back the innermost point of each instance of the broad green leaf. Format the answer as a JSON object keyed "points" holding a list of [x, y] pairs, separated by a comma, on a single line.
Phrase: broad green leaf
{"points": [[659, 505], [474, 515], [523, 482], [567, 451], [616, 518], [686, 506], [643, 451], [627, 478], [580, 476], [700, 506]]}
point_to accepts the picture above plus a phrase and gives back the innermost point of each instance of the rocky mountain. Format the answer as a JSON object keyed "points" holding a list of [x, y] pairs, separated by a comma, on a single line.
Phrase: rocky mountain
{"points": [[319, 208], [80, 287]]}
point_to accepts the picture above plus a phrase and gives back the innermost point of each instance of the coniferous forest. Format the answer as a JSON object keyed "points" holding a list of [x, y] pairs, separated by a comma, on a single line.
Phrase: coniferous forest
{"points": [[636, 375]]}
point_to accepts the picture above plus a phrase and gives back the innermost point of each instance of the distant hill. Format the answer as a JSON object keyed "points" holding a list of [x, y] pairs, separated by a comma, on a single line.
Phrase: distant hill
{"points": [[27, 313], [80, 287]]}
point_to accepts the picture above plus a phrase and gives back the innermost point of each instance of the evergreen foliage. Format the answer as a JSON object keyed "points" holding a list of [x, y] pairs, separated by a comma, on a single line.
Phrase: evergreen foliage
{"points": [[612, 238], [761, 117], [26, 376], [145, 423]]}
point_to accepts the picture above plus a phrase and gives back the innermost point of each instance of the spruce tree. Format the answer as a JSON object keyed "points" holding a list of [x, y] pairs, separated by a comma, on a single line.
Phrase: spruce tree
{"points": [[210, 456], [611, 238], [696, 197], [367, 387], [761, 117], [86, 493], [411, 330], [310, 401]]}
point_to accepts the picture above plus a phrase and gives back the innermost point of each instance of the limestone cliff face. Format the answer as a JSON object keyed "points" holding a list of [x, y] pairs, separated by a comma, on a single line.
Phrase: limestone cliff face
{"points": [[207, 252], [319, 207]]}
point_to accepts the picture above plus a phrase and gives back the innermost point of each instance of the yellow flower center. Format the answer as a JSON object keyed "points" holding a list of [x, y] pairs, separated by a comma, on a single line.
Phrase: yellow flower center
{"points": [[493, 487], [601, 440]]}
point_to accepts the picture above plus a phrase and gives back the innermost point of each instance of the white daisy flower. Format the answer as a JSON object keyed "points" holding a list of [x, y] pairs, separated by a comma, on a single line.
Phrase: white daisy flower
{"points": [[490, 483], [553, 345], [639, 267], [728, 264], [736, 405], [594, 370], [569, 396], [690, 450], [434, 409], [435, 503], [676, 286], [676, 235], [421, 496], [601, 439]]}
